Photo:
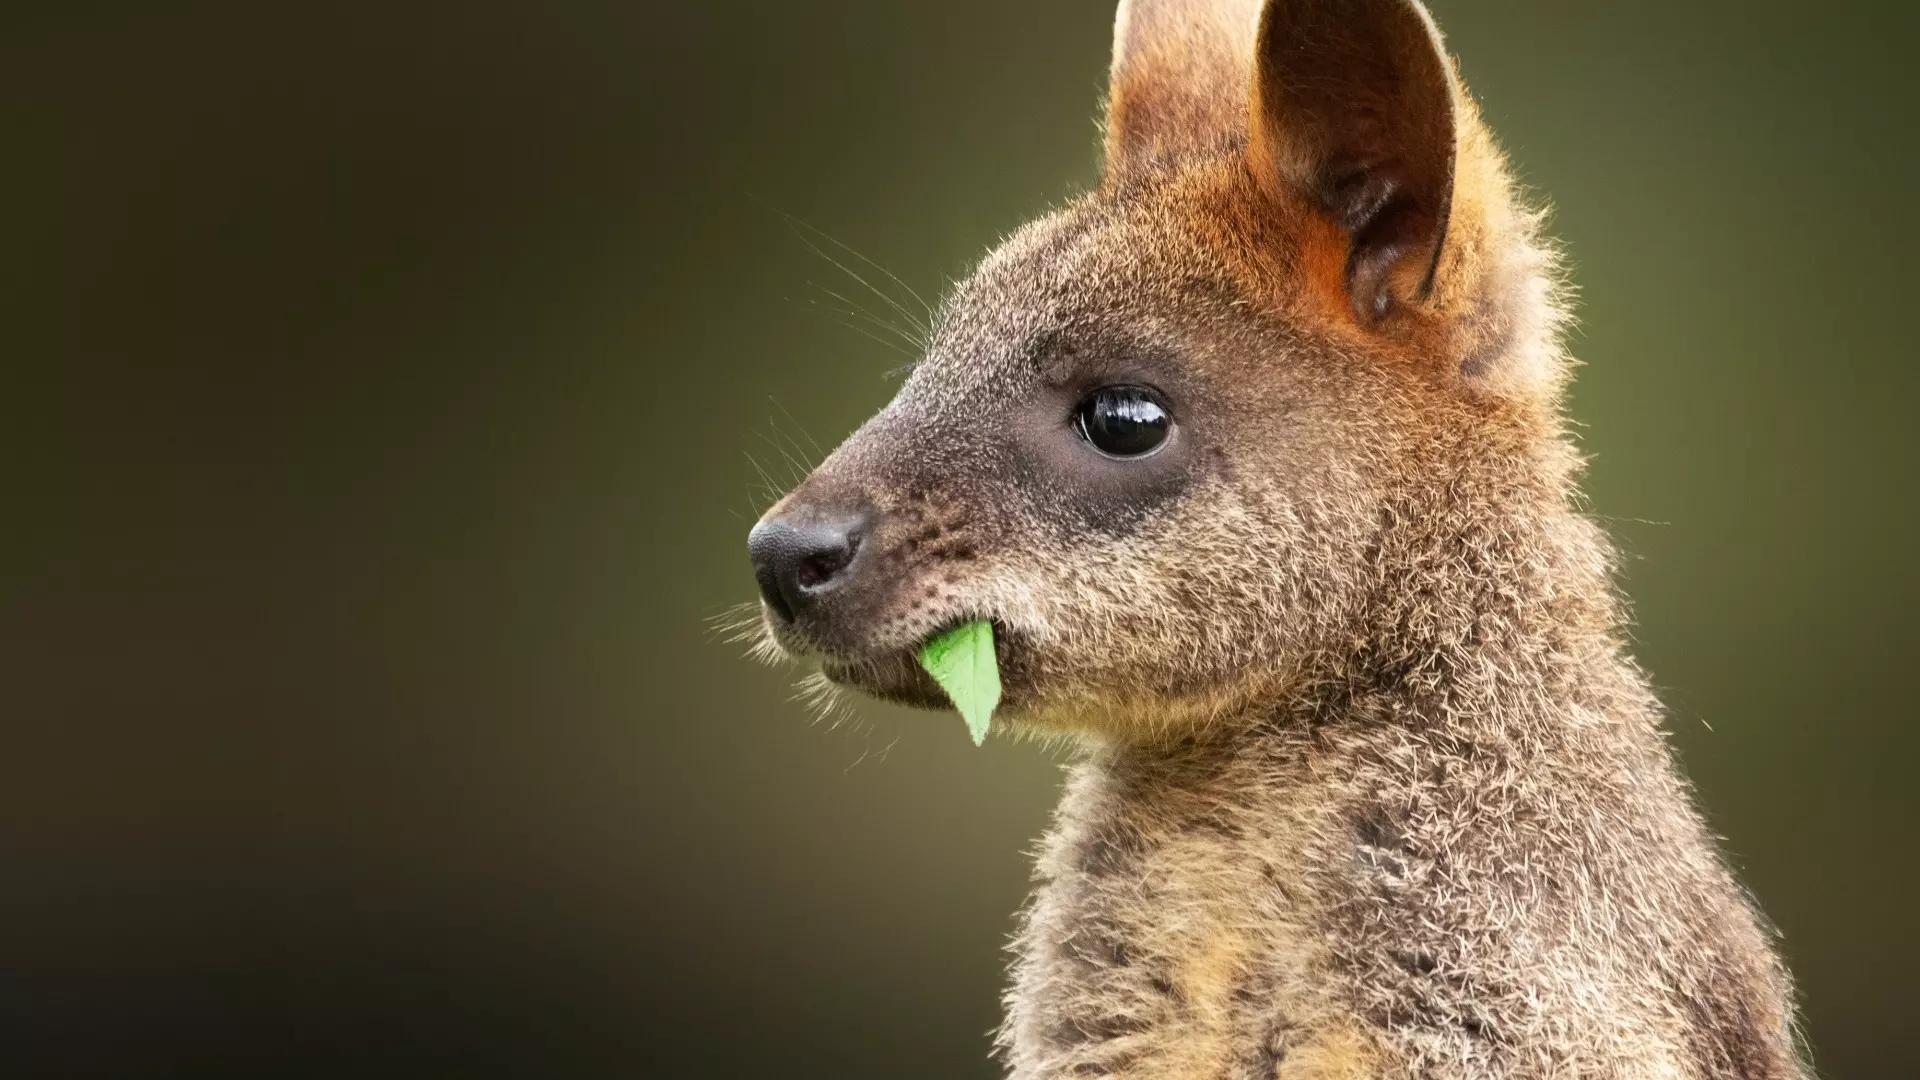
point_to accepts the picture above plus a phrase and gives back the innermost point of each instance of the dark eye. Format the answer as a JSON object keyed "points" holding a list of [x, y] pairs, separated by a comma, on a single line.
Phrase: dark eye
{"points": [[1123, 421]]}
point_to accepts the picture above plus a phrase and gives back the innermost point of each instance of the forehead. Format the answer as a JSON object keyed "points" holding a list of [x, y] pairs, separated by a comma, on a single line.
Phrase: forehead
{"points": [[1096, 273]]}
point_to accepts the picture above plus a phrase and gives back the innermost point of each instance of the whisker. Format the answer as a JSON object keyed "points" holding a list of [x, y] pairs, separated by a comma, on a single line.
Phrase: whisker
{"points": [[891, 276], [912, 319], [769, 491], [909, 335], [797, 470], [877, 758], [797, 224], [827, 702], [733, 619], [862, 331], [798, 426], [743, 624], [799, 457], [803, 460]]}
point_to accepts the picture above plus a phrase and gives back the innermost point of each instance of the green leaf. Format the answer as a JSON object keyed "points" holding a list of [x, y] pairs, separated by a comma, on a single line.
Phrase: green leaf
{"points": [[962, 662]]}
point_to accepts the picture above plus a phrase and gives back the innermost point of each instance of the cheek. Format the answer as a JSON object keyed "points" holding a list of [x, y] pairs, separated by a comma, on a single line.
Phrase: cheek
{"points": [[1213, 574], [1075, 493]]}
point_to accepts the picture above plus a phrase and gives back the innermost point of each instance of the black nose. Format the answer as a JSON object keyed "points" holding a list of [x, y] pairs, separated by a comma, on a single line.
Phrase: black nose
{"points": [[797, 564]]}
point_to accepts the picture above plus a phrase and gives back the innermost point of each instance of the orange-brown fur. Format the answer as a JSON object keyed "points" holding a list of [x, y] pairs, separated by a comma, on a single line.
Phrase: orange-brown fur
{"points": [[1366, 784]]}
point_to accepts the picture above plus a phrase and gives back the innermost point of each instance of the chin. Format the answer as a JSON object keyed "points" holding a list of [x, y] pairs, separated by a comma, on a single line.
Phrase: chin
{"points": [[893, 677]]}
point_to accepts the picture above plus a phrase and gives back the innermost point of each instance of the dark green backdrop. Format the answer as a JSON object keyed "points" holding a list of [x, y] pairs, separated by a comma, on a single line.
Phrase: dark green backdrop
{"points": [[378, 385]]}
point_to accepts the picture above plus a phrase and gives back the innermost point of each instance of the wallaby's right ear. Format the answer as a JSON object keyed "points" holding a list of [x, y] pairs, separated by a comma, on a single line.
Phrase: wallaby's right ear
{"points": [[1353, 106]]}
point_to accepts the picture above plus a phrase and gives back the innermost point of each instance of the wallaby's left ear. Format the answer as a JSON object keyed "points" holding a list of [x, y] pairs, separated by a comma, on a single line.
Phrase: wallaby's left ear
{"points": [[1179, 82], [1353, 105]]}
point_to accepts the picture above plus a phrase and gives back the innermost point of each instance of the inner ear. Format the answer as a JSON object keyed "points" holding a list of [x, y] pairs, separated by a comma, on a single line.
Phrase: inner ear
{"points": [[1353, 105]]}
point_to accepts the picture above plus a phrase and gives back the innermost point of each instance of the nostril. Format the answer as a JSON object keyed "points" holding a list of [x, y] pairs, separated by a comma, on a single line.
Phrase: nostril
{"points": [[821, 567], [796, 564]]}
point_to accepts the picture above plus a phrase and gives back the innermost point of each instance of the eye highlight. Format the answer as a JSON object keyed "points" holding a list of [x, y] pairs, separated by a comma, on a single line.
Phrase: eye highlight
{"points": [[1123, 421]]}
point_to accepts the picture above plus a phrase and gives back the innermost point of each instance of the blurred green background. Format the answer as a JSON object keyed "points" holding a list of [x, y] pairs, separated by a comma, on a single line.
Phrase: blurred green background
{"points": [[379, 381]]}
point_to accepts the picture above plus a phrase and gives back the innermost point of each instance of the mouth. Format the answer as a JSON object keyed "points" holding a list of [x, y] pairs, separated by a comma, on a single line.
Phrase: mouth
{"points": [[896, 675]]}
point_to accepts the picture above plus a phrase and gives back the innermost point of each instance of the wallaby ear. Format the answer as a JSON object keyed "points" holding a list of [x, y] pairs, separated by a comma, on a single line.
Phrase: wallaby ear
{"points": [[1353, 105], [1179, 82]]}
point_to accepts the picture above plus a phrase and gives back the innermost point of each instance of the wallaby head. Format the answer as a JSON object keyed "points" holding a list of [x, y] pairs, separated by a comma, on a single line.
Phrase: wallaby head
{"points": [[1282, 386]]}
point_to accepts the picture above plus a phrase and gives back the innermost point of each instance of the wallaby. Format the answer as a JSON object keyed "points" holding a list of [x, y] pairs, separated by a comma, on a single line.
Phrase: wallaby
{"points": [[1254, 460]]}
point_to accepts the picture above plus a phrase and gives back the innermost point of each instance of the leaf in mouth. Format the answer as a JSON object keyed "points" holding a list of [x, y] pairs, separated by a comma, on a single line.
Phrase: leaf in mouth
{"points": [[962, 662]]}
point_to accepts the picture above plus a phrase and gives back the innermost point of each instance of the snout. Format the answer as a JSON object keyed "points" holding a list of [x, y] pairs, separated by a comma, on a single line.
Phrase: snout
{"points": [[832, 591], [859, 589], [800, 563]]}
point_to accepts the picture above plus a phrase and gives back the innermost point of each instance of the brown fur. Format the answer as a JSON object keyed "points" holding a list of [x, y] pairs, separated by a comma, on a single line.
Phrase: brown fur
{"points": [[1366, 784]]}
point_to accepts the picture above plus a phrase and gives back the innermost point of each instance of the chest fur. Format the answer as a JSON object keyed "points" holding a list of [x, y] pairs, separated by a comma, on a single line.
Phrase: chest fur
{"points": [[1177, 933], [1351, 910]]}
